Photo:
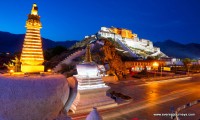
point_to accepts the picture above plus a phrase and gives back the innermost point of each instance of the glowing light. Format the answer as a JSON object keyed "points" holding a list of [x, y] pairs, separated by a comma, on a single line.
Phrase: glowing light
{"points": [[33, 59], [152, 87], [123, 32], [32, 54], [34, 10], [30, 38], [155, 64], [49, 70], [11, 71], [34, 49]]}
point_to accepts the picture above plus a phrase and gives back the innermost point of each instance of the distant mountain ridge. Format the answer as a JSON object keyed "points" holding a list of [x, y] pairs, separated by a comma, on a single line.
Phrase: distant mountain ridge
{"points": [[178, 50], [13, 42]]}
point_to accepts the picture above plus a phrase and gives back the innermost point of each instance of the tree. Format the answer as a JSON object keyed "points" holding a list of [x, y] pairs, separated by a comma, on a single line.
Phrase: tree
{"points": [[187, 63], [53, 52], [14, 64]]}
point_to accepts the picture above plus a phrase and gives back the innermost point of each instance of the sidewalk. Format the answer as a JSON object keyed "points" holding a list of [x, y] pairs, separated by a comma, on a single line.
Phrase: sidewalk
{"points": [[144, 80], [190, 113]]}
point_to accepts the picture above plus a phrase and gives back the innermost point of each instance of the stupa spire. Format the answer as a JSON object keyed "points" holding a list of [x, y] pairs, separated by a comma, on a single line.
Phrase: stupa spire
{"points": [[34, 10], [88, 56], [32, 54]]}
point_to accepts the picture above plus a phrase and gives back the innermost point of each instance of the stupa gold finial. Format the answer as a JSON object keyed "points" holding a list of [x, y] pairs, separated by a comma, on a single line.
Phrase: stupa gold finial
{"points": [[34, 10], [88, 57]]}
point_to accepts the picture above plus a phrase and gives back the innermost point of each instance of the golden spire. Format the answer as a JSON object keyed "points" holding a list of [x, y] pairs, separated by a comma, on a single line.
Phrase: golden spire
{"points": [[34, 10], [32, 53], [88, 57], [33, 21]]}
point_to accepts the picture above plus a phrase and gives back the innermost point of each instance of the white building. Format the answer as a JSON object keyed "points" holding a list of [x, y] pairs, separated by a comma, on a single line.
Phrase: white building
{"points": [[173, 61], [133, 43]]}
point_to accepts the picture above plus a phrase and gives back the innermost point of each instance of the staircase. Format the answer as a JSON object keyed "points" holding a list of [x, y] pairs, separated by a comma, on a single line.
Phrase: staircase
{"points": [[69, 59]]}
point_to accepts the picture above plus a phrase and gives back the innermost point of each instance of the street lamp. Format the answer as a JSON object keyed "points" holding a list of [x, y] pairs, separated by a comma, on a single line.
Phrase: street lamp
{"points": [[161, 70], [188, 65], [155, 65]]}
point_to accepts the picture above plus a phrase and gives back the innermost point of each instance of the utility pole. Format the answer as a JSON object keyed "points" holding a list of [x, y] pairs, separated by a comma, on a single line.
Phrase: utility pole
{"points": [[161, 70]]}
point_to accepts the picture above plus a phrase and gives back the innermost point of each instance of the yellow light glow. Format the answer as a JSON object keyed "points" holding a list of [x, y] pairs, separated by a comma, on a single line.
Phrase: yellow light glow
{"points": [[32, 36], [34, 10], [36, 49], [11, 71], [31, 43], [49, 70], [32, 68], [155, 64], [123, 32], [32, 32], [32, 54], [152, 94]]}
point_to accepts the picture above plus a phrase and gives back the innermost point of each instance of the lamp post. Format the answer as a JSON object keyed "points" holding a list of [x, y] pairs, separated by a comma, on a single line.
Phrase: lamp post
{"points": [[188, 65], [155, 65], [161, 70]]}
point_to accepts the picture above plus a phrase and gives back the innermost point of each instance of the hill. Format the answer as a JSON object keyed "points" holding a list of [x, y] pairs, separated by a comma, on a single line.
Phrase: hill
{"points": [[178, 50], [13, 42]]}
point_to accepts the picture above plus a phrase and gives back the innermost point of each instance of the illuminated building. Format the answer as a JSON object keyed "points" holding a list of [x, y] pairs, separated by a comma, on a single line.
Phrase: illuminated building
{"points": [[124, 33], [139, 65], [32, 53], [128, 38], [130, 42]]}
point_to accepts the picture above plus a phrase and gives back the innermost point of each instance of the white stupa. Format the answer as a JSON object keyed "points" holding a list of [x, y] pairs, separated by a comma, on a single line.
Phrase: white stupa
{"points": [[88, 74], [91, 88]]}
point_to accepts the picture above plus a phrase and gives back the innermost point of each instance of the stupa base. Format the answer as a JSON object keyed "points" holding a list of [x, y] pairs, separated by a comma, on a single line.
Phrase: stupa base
{"points": [[94, 98], [32, 68]]}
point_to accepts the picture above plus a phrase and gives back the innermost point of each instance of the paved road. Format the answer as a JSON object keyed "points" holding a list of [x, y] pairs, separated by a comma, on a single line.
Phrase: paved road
{"points": [[153, 100]]}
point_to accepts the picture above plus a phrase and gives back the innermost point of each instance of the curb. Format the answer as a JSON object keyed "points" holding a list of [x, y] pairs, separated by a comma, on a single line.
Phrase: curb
{"points": [[152, 80], [186, 106]]}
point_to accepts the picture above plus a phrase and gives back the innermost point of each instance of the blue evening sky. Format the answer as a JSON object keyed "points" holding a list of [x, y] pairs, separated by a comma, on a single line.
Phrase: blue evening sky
{"points": [[156, 20]]}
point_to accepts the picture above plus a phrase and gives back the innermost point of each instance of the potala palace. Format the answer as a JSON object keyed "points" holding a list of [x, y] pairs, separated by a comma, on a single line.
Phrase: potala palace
{"points": [[130, 42]]}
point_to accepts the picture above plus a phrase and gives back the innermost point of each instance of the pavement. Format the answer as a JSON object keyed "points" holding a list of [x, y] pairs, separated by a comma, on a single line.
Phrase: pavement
{"points": [[152, 98]]}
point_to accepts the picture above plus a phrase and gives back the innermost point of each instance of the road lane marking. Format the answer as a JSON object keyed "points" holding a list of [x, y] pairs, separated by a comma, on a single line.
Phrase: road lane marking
{"points": [[144, 104]]}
